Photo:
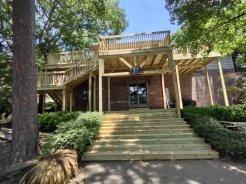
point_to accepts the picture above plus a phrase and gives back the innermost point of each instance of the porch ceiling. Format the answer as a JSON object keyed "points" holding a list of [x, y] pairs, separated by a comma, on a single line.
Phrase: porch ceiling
{"points": [[156, 62]]}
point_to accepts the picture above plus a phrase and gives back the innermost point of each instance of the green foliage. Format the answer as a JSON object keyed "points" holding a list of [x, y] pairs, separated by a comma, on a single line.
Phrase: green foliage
{"points": [[5, 82], [225, 141], [209, 25], [76, 134], [236, 88], [234, 113], [49, 122]]}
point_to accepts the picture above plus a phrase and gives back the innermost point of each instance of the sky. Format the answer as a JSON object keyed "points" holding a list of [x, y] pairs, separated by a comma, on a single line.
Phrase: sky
{"points": [[146, 16]]}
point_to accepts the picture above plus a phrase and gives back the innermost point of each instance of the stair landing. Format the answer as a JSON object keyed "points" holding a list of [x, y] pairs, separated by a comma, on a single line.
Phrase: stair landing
{"points": [[147, 135]]}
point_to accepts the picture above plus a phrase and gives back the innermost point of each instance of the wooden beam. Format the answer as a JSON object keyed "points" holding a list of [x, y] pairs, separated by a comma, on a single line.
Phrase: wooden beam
{"points": [[135, 61], [126, 63], [109, 101], [71, 100], [64, 100], [179, 87], [89, 92], [209, 86], [94, 93], [143, 63], [175, 85], [147, 72], [100, 95], [223, 84], [164, 91]]}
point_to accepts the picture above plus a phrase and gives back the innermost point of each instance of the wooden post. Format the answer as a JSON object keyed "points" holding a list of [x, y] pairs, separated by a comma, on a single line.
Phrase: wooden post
{"points": [[94, 93], [209, 86], [101, 72], [71, 100], [89, 91], [163, 91], [109, 107], [64, 100], [174, 77], [179, 88], [223, 84]]}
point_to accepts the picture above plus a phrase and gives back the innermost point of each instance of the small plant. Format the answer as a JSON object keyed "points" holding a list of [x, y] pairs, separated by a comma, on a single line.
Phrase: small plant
{"points": [[234, 113], [227, 142], [75, 134], [48, 122]]}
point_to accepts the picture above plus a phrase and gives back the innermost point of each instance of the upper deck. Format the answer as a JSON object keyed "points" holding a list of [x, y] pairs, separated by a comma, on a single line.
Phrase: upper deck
{"points": [[111, 45]]}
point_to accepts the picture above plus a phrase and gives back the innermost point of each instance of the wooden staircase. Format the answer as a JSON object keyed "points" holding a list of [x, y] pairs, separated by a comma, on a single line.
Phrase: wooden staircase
{"points": [[147, 135]]}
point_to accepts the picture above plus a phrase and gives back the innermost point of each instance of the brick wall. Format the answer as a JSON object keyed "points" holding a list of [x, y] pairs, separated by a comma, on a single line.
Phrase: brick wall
{"points": [[193, 87]]}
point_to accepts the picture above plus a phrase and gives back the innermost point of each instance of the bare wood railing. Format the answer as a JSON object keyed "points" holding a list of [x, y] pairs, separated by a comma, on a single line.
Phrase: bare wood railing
{"points": [[135, 41], [82, 68], [50, 79], [59, 79], [68, 57]]}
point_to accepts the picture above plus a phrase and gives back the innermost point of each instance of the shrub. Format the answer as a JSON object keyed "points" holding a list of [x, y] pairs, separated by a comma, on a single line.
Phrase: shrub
{"points": [[76, 134], [236, 113], [224, 140], [48, 122]]}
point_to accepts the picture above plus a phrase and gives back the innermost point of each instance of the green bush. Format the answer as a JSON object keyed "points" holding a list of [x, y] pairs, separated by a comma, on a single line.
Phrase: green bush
{"points": [[224, 140], [236, 113], [48, 122], [76, 134]]}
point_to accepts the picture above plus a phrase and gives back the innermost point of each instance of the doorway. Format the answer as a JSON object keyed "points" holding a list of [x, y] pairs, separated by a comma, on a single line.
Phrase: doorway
{"points": [[138, 95]]}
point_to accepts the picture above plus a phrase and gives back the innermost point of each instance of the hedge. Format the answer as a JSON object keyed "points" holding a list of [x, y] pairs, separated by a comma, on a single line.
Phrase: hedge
{"points": [[223, 140], [48, 122], [76, 134], [234, 113]]}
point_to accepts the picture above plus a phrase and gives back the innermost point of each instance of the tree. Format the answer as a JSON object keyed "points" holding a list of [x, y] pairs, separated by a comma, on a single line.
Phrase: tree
{"points": [[24, 105], [60, 26], [209, 25]]}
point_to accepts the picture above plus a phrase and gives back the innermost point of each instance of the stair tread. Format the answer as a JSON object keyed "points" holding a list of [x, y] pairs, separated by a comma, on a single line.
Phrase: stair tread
{"points": [[209, 151]]}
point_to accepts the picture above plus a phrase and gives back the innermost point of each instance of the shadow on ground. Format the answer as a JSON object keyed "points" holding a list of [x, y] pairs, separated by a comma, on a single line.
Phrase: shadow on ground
{"points": [[164, 172]]}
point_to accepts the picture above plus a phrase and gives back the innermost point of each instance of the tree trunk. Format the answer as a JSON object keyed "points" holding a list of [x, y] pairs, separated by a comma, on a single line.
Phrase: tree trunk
{"points": [[24, 106]]}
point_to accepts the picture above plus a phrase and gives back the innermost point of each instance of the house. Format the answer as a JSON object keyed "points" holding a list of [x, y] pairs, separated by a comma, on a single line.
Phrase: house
{"points": [[132, 78], [133, 71]]}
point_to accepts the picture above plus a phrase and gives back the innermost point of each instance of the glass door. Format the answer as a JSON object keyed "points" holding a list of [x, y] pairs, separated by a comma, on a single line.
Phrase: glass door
{"points": [[138, 95]]}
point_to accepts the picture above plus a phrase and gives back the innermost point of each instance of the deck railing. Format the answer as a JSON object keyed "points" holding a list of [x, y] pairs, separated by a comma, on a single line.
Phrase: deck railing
{"points": [[50, 79], [59, 79], [82, 68], [69, 57], [135, 41]]}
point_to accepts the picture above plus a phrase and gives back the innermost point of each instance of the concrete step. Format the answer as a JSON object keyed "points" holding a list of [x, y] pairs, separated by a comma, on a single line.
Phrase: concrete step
{"points": [[147, 136], [147, 131], [160, 141], [151, 155], [150, 147], [142, 127]]}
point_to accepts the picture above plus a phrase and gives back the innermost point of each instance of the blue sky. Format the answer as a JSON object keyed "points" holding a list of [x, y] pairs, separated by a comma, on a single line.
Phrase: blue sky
{"points": [[146, 16]]}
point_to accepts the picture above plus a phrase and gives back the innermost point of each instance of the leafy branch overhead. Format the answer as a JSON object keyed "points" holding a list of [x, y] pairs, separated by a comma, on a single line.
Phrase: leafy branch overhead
{"points": [[67, 24], [209, 25]]}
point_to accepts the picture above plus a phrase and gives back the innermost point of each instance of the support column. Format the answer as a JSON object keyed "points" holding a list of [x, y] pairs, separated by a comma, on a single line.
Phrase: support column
{"points": [[109, 106], [89, 91], [64, 100], [175, 85], [223, 84], [209, 86], [163, 91], [41, 102], [179, 88], [94, 93], [101, 72], [71, 100]]}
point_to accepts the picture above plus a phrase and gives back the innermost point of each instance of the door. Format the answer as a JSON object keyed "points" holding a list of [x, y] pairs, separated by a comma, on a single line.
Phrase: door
{"points": [[138, 95]]}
